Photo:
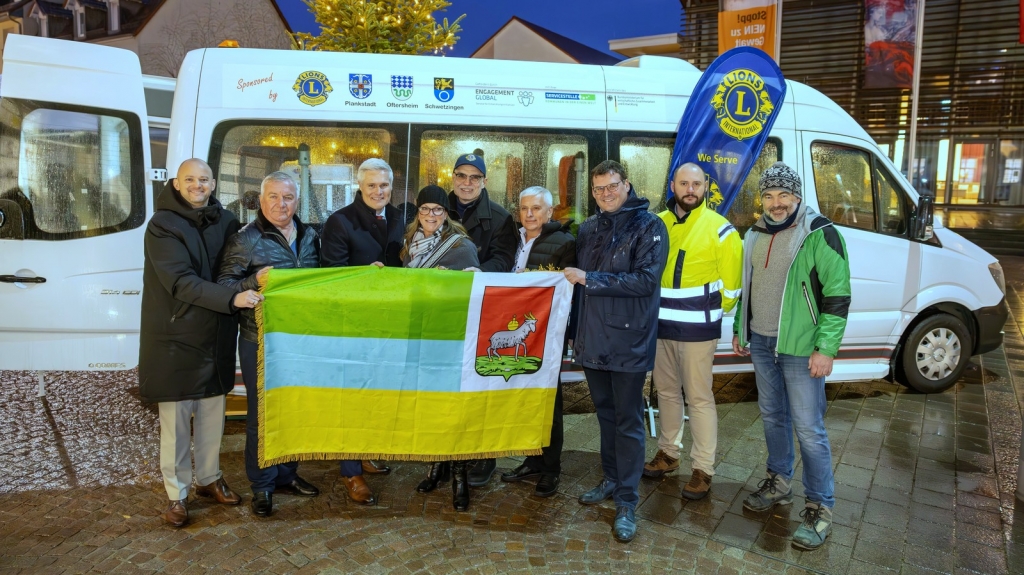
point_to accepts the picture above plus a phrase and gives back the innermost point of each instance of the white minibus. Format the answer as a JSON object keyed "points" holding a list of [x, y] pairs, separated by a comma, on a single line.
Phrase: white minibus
{"points": [[76, 180]]}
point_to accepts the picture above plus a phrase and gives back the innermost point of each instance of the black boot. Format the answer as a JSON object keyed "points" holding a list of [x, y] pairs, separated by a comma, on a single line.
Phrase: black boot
{"points": [[438, 472], [460, 486]]}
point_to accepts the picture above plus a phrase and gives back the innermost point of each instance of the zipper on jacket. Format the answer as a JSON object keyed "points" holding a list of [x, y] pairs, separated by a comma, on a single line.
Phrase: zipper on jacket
{"points": [[810, 308]]}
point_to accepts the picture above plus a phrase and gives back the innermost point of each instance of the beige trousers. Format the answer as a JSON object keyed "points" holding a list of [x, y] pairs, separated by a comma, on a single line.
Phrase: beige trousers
{"points": [[684, 367], [179, 421]]}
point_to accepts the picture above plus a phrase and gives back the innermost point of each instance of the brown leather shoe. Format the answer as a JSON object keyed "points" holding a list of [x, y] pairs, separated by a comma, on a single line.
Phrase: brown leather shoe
{"points": [[699, 485], [371, 467], [176, 514], [220, 491], [359, 491]]}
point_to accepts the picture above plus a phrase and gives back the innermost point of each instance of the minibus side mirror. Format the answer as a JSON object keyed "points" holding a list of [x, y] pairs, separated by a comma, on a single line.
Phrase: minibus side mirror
{"points": [[921, 224]]}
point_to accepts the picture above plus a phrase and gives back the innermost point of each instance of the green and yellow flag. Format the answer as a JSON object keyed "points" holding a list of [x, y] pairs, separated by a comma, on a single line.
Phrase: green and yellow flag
{"points": [[412, 364]]}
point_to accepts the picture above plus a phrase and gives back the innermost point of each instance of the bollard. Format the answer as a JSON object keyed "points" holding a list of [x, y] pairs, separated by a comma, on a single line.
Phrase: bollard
{"points": [[42, 383]]}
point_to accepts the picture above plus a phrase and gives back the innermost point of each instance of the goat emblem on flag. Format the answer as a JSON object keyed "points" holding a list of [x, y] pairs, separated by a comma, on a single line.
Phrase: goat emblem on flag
{"points": [[506, 345]]}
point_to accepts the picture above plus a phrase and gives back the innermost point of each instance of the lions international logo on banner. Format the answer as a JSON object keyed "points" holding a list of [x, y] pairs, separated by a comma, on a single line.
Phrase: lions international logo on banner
{"points": [[360, 85], [727, 121], [401, 87], [508, 347], [312, 88], [742, 105], [444, 89]]}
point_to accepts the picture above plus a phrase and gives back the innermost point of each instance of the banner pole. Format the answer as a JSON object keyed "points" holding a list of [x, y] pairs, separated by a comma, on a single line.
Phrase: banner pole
{"points": [[778, 32], [914, 98]]}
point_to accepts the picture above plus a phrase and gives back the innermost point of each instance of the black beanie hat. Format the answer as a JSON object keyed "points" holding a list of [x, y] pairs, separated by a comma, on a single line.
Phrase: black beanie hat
{"points": [[432, 195]]}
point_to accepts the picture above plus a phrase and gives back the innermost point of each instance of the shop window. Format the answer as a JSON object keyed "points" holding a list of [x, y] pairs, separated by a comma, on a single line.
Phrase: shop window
{"points": [[323, 159], [515, 161], [75, 172], [842, 179]]}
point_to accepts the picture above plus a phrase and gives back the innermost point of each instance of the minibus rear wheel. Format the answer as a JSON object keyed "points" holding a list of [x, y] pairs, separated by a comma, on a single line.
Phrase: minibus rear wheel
{"points": [[935, 353]]}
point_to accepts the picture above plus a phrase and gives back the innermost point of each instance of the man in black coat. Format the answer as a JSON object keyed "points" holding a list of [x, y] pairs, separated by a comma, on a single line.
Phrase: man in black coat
{"points": [[369, 230], [275, 239], [543, 244], [187, 337], [621, 252], [493, 232]]}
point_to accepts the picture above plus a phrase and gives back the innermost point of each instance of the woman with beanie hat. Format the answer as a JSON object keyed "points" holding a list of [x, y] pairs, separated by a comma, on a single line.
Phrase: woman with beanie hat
{"points": [[433, 240]]}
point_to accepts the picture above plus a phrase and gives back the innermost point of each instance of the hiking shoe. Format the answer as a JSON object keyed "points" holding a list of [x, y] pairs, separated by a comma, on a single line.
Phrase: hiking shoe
{"points": [[660, 465], [815, 528], [699, 485], [771, 491]]}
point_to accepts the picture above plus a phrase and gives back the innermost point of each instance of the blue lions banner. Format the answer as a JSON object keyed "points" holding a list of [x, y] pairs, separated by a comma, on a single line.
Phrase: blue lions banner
{"points": [[727, 120]]}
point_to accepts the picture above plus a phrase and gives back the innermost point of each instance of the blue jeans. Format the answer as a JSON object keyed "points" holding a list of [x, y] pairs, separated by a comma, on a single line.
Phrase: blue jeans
{"points": [[790, 398], [619, 399]]}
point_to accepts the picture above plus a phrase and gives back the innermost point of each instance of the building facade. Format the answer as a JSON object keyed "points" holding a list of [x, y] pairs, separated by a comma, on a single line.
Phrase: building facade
{"points": [[970, 131]]}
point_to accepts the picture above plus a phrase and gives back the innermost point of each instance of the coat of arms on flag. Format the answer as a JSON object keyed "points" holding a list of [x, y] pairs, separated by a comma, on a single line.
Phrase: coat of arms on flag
{"points": [[360, 85], [514, 347], [413, 364], [401, 87]]}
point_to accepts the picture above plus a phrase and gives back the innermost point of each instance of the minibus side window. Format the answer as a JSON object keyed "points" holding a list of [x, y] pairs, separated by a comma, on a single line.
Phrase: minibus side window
{"points": [[892, 209], [746, 208], [516, 160], [73, 172], [647, 162], [323, 158], [842, 179], [158, 154]]}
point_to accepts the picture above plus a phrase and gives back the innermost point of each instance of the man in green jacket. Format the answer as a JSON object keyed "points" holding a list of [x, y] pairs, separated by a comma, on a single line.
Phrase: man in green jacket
{"points": [[796, 296]]}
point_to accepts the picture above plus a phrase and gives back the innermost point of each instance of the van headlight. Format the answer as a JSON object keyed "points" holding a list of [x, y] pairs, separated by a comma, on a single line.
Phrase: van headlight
{"points": [[997, 274]]}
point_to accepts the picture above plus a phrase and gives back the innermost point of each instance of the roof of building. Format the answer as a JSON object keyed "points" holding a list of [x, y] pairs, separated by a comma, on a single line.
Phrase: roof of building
{"points": [[580, 52]]}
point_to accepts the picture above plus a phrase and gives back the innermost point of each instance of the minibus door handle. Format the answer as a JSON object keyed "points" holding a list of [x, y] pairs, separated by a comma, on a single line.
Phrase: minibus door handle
{"points": [[9, 279]]}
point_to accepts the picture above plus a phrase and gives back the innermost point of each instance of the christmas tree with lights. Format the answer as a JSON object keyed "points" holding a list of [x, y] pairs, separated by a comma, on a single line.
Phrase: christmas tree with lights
{"points": [[392, 27]]}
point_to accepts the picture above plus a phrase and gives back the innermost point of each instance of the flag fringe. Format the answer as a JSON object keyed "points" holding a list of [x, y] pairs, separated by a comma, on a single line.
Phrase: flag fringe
{"points": [[395, 456], [260, 373]]}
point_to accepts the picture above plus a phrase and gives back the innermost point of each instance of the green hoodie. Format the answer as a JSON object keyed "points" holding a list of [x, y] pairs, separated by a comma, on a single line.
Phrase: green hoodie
{"points": [[816, 300]]}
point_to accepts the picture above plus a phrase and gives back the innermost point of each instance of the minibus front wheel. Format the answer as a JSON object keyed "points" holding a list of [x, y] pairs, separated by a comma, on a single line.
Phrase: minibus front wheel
{"points": [[935, 353]]}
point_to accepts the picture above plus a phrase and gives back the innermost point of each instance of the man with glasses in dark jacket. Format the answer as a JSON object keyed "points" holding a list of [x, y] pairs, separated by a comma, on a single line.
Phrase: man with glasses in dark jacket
{"points": [[493, 231], [621, 254], [275, 239]]}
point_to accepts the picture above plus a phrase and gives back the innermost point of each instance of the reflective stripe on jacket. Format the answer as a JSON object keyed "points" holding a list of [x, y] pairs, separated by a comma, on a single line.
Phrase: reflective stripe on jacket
{"points": [[702, 276]]}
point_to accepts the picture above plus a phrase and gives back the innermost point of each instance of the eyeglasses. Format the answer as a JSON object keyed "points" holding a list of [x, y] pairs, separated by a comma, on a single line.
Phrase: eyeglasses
{"points": [[461, 177], [612, 187], [436, 211]]}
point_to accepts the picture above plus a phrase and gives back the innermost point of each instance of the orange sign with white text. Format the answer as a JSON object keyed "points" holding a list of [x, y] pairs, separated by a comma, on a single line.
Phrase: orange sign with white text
{"points": [[747, 23]]}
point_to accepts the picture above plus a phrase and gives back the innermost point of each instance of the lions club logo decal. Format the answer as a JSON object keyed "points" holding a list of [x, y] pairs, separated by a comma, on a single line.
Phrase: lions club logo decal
{"points": [[444, 89], [360, 85], [513, 329], [312, 88], [742, 104]]}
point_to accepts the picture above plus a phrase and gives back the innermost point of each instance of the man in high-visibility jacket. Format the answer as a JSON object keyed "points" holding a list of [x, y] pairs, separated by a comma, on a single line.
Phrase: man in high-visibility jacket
{"points": [[700, 283]]}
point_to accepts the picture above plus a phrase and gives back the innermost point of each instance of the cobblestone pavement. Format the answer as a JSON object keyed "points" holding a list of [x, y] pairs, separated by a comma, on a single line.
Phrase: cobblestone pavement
{"points": [[925, 484]]}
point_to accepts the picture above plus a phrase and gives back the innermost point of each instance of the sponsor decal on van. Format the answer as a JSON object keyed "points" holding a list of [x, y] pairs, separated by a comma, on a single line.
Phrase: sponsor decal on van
{"points": [[444, 89], [312, 88], [401, 87], [742, 104], [360, 85], [570, 97], [525, 97]]}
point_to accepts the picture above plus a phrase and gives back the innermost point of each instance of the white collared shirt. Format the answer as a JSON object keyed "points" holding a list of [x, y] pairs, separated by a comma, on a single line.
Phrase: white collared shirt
{"points": [[524, 250]]}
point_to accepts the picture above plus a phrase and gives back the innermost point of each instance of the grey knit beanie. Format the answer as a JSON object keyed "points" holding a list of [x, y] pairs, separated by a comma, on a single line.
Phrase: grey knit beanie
{"points": [[781, 176]]}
